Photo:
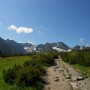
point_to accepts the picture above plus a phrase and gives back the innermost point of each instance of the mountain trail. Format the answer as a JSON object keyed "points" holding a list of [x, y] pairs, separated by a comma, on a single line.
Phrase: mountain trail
{"points": [[62, 76]]}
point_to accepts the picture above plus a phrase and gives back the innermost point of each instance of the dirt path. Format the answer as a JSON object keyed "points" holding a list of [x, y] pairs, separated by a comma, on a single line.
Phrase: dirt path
{"points": [[63, 77]]}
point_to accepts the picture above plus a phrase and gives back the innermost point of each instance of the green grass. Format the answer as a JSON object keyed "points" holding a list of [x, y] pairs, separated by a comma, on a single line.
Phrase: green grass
{"points": [[82, 69], [6, 63]]}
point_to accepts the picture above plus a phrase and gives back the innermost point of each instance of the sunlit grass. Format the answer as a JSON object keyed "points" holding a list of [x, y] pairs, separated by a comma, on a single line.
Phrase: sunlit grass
{"points": [[82, 69], [6, 63]]}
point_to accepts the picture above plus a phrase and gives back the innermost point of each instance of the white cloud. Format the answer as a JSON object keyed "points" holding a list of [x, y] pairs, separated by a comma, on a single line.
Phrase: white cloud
{"points": [[20, 29], [82, 40], [26, 42], [12, 27], [24, 30]]}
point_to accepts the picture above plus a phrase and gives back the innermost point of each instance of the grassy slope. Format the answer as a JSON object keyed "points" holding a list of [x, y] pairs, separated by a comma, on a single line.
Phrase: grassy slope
{"points": [[82, 69], [6, 63]]}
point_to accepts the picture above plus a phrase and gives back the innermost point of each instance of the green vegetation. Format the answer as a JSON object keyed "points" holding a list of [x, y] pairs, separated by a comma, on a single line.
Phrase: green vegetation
{"points": [[25, 72], [6, 63], [79, 59], [82, 69]]}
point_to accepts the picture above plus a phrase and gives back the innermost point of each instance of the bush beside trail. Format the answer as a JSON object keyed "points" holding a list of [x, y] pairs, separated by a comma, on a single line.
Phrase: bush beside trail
{"points": [[31, 73], [81, 57]]}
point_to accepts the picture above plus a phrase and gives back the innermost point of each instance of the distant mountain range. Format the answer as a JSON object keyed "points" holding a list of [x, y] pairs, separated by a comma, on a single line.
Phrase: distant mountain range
{"points": [[78, 47], [13, 47]]}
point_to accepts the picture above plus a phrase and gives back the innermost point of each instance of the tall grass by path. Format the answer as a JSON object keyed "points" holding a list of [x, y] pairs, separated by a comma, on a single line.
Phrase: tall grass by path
{"points": [[82, 69], [9, 62]]}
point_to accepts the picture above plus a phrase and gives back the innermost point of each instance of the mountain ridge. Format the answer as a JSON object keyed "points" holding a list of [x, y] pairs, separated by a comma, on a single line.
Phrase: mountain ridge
{"points": [[13, 47]]}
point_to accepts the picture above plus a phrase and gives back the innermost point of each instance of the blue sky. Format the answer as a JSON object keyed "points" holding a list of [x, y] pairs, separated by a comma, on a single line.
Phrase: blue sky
{"points": [[41, 21]]}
